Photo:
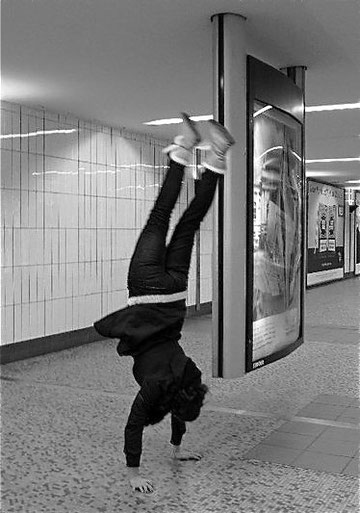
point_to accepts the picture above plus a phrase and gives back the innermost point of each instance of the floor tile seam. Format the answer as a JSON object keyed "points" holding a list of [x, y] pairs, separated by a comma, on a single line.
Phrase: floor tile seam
{"points": [[208, 407], [293, 465], [300, 451], [303, 450], [331, 343], [294, 418], [342, 411], [305, 453], [326, 422], [67, 386], [308, 447], [317, 450], [331, 326], [327, 397]]}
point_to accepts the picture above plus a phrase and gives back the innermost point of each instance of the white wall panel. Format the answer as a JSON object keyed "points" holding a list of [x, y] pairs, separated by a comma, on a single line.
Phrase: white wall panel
{"points": [[31, 208], [36, 142], [6, 128], [15, 170], [35, 171], [6, 286], [33, 276], [18, 323], [37, 316], [5, 167], [25, 319], [73, 205], [10, 208], [7, 324]]}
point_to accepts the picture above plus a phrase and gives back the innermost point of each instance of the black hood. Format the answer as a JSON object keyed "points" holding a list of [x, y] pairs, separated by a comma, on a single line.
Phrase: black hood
{"points": [[185, 371], [191, 375], [137, 323]]}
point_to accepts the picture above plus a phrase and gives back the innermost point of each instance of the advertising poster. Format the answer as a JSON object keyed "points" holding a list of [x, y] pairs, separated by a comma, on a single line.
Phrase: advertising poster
{"points": [[357, 233], [325, 220], [277, 233]]}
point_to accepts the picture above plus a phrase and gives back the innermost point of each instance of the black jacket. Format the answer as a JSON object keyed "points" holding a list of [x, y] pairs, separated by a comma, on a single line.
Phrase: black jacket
{"points": [[150, 333]]}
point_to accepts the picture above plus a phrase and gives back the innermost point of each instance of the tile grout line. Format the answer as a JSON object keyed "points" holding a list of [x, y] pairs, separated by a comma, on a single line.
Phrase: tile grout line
{"points": [[344, 344], [207, 407], [293, 418], [326, 422]]}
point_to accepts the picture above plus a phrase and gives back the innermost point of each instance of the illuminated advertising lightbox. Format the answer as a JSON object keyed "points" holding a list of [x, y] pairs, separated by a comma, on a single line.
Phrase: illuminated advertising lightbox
{"points": [[325, 228], [357, 233], [277, 234]]}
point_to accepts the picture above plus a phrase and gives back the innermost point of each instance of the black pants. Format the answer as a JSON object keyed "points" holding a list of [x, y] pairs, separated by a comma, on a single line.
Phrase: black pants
{"points": [[159, 269]]}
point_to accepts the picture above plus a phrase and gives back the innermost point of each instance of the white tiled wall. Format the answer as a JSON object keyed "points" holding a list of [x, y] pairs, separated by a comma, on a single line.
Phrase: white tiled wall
{"points": [[72, 207]]}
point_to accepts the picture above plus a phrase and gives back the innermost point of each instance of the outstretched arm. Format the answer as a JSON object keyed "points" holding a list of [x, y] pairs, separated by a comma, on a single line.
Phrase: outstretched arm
{"points": [[137, 482], [133, 438], [178, 429], [180, 454]]}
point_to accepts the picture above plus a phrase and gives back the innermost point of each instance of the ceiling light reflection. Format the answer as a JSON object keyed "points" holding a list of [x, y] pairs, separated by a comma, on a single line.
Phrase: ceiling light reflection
{"points": [[176, 121], [169, 121], [261, 111], [269, 150], [296, 155], [38, 132], [348, 159], [339, 106], [116, 168], [316, 173], [206, 117]]}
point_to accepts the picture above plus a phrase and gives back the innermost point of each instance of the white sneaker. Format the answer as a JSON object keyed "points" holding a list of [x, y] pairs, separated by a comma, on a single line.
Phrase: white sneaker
{"points": [[181, 149], [220, 142]]}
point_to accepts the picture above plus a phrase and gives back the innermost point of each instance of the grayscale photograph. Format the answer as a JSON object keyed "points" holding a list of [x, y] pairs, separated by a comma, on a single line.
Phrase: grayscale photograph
{"points": [[180, 256]]}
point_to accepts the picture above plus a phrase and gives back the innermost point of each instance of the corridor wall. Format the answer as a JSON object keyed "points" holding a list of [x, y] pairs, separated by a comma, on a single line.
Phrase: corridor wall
{"points": [[75, 195]]}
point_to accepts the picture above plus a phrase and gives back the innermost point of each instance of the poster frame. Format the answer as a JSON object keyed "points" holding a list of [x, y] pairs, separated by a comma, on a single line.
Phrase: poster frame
{"points": [[322, 182], [268, 85], [356, 265]]}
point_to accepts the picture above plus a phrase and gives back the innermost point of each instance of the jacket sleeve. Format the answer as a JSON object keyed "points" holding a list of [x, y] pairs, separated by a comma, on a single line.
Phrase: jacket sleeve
{"points": [[178, 429], [137, 420]]}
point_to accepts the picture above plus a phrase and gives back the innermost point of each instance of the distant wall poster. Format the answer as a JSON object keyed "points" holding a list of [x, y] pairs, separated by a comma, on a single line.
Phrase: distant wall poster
{"points": [[277, 243], [357, 233], [325, 253]]}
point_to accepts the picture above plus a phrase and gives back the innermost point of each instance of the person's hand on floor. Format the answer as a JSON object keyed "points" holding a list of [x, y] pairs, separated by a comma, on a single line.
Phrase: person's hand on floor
{"points": [[184, 455], [139, 483]]}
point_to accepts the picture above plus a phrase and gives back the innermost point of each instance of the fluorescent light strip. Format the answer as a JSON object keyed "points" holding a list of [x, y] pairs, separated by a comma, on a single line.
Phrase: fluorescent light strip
{"points": [[352, 181], [339, 106], [311, 173], [39, 132], [269, 150], [176, 121], [169, 121], [206, 117], [350, 159], [260, 111]]}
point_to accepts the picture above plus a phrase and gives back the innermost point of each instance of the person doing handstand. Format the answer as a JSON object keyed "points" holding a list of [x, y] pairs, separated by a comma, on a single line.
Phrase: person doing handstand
{"points": [[149, 328]]}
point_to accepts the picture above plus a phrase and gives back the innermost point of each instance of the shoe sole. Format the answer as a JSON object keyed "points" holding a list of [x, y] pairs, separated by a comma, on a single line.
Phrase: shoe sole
{"points": [[220, 129], [192, 126]]}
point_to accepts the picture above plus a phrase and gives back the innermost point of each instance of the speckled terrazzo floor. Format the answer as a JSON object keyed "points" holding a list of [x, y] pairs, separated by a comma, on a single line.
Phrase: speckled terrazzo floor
{"points": [[63, 416]]}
